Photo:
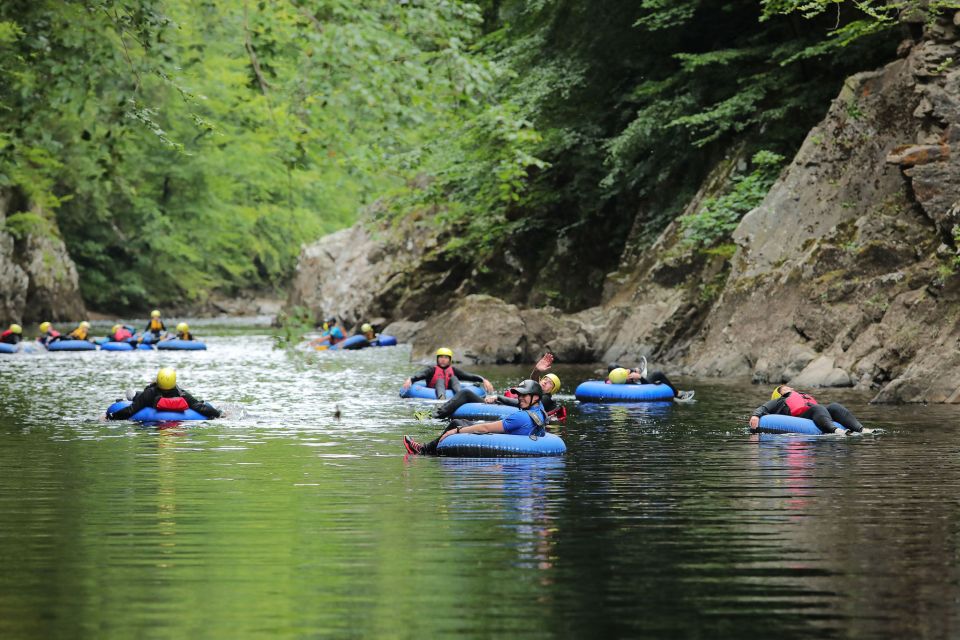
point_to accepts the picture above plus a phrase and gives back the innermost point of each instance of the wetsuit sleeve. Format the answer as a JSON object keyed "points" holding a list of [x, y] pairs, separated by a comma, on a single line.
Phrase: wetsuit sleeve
{"points": [[548, 403], [510, 402], [205, 409], [424, 374], [771, 407], [466, 375], [144, 399]]}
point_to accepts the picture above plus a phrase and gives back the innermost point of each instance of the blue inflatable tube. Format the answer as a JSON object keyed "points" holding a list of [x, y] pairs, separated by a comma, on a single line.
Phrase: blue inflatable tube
{"points": [[500, 445], [116, 346], [359, 342], [71, 345], [152, 415], [483, 411], [353, 342], [599, 391], [419, 389], [180, 345], [8, 348], [790, 424]]}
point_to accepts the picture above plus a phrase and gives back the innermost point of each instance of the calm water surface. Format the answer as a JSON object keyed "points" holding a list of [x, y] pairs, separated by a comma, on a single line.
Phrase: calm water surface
{"points": [[280, 521]]}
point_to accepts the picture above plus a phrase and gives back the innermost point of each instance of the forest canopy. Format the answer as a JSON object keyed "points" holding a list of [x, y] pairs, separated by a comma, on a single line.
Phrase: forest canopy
{"points": [[187, 147]]}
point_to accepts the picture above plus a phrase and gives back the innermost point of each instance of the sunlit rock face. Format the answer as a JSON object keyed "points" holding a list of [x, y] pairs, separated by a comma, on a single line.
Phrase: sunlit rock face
{"points": [[851, 255]]}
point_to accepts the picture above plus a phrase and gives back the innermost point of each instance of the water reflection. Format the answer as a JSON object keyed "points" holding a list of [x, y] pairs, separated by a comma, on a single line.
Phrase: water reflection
{"points": [[662, 520], [523, 492]]}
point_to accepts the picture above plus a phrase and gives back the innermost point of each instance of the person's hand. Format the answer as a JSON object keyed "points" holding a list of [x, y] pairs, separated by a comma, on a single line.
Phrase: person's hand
{"points": [[754, 422], [490, 399], [543, 364], [407, 383], [487, 386], [634, 375]]}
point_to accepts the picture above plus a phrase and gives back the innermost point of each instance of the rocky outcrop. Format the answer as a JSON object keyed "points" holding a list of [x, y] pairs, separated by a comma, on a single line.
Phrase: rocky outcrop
{"points": [[845, 275], [40, 279], [375, 271], [484, 329], [841, 272]]}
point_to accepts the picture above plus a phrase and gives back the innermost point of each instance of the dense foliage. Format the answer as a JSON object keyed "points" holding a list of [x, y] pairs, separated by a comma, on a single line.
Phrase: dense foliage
{"points": [[184, 147], [620, 109], [189, 146]]}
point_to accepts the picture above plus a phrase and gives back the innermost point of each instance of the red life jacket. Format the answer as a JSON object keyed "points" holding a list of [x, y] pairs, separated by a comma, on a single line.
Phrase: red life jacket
{"points": [[6, 334], [560, 413], [53, 333], [510, 394], [121, 335], [172, 404], [798, 403], [441, 373]]}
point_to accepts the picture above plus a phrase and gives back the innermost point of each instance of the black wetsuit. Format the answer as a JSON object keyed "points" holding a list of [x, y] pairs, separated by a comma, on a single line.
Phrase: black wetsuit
{"points": [[440, 387], [152, 394], [464, 396], [657, 377], [822, 416], [156, 332], [9, 337]]}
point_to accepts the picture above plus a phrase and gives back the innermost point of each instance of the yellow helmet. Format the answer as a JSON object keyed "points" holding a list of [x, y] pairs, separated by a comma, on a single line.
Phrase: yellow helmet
{"points": [[166, 378], [555, 379], [15, 328], [44, 327], [155, 313], [776, 393], [366, 327], [85, 324], [618, 375], [443, 351], [182, 327], [115, 328]]}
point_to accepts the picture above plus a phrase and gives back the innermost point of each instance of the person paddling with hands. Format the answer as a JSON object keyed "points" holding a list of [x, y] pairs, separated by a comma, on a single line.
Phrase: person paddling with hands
{"points": [[531, 420], [164, 395], [444, 375], [787, 401], [549, 382]]}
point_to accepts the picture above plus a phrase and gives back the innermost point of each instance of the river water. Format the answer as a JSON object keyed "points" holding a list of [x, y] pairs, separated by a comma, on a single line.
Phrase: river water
{"points": [[282, 521]]}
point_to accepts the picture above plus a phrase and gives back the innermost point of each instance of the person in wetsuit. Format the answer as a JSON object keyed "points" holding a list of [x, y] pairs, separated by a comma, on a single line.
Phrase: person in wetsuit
{"points": [[82, 332], [183, 333], [48, 334], [549, 383], [638, 375], [155, 328], [445, 376], [119, 333], [332, 334], [165, 395], [13, 335], [787, 401], [531, 420], [369, 337]]}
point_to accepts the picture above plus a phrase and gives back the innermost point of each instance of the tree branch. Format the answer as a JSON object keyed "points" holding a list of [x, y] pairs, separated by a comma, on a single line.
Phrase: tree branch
{"points": [[264, 85]]}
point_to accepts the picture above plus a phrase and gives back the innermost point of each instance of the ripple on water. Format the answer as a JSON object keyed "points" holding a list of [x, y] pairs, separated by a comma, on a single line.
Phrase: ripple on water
{"points": [[662, 520]]}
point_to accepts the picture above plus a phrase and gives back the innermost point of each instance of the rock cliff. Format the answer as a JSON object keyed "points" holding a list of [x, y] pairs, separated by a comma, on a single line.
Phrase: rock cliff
{"points": [[846, 274], [40, 279]]}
